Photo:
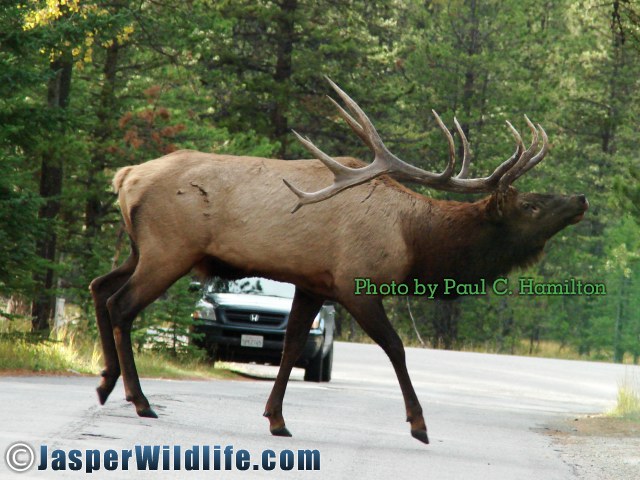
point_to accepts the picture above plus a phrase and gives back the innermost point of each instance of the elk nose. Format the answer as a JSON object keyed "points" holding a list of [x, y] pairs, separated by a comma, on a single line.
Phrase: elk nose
{"points": [[583, 200]]}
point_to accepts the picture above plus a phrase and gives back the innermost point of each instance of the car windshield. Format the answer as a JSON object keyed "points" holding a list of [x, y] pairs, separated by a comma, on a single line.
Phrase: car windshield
{"points": [[252, 286]]}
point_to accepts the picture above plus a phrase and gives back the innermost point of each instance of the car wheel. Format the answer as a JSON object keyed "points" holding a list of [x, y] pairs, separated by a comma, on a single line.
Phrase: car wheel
{"points": [[313, 372], [212, 352], [327, 365]]}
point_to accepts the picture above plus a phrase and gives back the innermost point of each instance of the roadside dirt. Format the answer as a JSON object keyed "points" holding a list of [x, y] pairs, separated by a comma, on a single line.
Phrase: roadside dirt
{"points": [[599, 447]]}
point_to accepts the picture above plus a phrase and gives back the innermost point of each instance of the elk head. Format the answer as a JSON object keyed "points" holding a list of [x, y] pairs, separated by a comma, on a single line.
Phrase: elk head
{"points": [[534, 217], [519, 216]]}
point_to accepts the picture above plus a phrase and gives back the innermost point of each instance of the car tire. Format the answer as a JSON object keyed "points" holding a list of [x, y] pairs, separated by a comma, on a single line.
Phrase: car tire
{"points": [[212, 352], [327, 365], [313, 372]]}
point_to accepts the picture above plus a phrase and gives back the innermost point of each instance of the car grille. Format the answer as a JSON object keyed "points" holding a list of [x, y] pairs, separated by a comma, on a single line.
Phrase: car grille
{"points": [[243, 317]]}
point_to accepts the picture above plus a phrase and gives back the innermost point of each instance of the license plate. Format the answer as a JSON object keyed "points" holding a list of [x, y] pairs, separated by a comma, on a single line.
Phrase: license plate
{"points": [[255, 341]]}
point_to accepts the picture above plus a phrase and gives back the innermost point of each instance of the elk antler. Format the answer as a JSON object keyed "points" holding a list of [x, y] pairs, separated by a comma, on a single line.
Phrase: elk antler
{"points": [[385, 162]]}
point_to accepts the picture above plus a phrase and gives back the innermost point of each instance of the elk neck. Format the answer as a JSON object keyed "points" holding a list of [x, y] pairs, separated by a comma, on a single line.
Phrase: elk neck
{"points": [[458, 240]]}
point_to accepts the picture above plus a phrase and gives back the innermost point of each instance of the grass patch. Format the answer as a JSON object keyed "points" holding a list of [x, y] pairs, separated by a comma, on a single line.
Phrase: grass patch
{"points": [[70, 351], [628, 401], [61, 353], [158, 365], [42, 357]]}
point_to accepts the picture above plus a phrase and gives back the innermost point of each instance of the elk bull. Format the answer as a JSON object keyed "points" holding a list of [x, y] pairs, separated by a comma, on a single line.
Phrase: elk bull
{"points": [[231, 217]]}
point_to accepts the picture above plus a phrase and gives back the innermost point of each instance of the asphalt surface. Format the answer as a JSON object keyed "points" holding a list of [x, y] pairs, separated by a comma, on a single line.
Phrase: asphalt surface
{"points": [[486, 416]]}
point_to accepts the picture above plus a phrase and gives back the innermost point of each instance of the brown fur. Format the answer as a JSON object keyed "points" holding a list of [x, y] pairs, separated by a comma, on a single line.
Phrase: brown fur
{"points": [[231, 216]]}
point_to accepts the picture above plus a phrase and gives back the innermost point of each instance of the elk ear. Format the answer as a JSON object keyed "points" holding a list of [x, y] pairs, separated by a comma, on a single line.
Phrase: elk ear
{"points": [[495, 207], [499, 203]]}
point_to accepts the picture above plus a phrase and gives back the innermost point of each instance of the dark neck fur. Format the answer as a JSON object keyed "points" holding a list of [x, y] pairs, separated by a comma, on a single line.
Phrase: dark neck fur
{"points": [[456, 240]]}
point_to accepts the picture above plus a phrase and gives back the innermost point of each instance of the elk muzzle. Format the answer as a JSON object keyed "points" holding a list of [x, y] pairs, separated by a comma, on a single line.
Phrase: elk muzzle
{"points": [[583, 206]]}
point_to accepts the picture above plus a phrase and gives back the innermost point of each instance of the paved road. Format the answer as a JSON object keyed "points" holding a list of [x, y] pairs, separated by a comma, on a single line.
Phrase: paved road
{"points": [[485, 415]]}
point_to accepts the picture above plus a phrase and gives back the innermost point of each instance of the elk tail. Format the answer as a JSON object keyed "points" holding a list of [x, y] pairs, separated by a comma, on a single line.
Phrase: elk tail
{"points": [[120, 177]]}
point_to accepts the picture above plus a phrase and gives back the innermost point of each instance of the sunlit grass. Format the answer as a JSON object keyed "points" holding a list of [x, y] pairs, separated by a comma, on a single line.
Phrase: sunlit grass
{"points": [[153, 364], [547, 349], [67, 351], [62, 352], [628, 400], [21, 354], [521, 347]]}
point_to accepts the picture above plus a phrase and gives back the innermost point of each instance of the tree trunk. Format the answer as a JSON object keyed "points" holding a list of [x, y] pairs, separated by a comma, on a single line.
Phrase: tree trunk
{"points": [[51, 169], [445, 323], [282, 74], [96, 207], [617, 92]]}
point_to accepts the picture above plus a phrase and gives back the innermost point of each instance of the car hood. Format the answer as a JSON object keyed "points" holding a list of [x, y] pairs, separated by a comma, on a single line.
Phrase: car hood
{"points": [[262, 302]]}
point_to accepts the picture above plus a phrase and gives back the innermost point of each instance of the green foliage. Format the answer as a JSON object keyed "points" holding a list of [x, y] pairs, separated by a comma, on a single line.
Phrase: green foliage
{"points": [[167, 325], [236, 76], [18, 214], [262, 63]]}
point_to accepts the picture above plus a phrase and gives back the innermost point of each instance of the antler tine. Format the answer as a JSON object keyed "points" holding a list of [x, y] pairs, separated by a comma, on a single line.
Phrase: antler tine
{"points": [[336, 168], [539, 156], [373, 140], [507, 164], [452, 147], [509, 177], [466, 158], [299, 193], [384, 160], [344, 177], [355, 126], [349, 177], [516, 135], [305, 198]]}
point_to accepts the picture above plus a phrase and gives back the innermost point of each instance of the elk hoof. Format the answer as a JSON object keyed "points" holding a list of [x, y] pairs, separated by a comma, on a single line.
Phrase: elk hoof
{"points": [[105, 389], [281, 432], [107, 385], [103, 394], [420, 435], [147, 412]]}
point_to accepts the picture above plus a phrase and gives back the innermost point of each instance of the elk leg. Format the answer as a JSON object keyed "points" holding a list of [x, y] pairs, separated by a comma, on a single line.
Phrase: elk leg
{"points": [[373, 320], [304, 309], [101, 289], [146, 284]]}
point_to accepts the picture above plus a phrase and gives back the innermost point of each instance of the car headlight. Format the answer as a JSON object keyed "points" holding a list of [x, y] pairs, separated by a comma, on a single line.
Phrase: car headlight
{"points": [[205, 311]]}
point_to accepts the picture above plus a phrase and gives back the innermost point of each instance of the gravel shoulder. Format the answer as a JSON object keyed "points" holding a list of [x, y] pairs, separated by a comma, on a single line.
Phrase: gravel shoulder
{"points": [[599, 447]]}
